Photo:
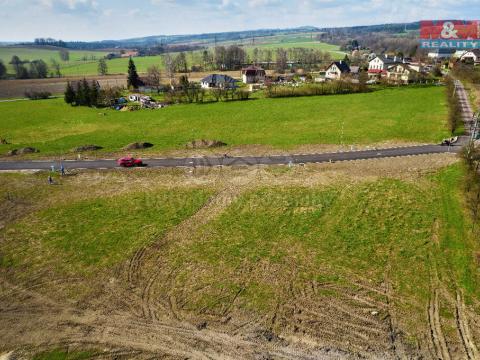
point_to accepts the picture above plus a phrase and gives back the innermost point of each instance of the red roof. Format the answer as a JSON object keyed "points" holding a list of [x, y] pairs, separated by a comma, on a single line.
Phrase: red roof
{"points": [[376, 71]]}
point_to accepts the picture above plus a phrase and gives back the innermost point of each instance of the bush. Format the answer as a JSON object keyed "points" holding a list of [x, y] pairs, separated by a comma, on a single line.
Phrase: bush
{"points": [[471, 183], [330, 88], [37, 95]]}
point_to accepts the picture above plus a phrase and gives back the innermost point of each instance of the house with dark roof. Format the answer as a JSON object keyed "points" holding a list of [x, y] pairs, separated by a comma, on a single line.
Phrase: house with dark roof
{"points": [[253, 75], [216, 81], [337, 70], [440, 54]]}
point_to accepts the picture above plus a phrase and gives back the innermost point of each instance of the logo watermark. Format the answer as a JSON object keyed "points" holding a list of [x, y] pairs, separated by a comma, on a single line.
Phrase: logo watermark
{"points": [[450, 34]]}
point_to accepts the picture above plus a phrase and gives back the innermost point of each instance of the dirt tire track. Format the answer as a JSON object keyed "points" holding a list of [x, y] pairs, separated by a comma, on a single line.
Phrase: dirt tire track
{"points": [[464, 330], [436, 332]]}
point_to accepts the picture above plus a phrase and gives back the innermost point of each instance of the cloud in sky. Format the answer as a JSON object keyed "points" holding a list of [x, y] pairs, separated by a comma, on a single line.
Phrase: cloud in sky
{"points": [[119, 19]]}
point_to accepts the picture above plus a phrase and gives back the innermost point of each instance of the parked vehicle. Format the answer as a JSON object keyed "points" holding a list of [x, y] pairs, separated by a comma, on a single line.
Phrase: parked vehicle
{"points": [[129, 162]]}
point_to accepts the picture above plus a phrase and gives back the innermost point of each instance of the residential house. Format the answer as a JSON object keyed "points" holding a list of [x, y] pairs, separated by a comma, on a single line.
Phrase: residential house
{"points": [[253, 75], [337, 70], [128, 54], [216, 81], [401, 73], [471, 56], [440, 54], [378, 66]]}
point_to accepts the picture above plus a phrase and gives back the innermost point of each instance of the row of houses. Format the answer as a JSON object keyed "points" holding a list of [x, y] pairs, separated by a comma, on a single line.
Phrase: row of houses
{"points": [[470, 56], [392, 68]]}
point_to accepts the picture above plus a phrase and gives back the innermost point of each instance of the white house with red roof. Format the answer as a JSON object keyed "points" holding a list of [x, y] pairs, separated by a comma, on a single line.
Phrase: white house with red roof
{"points": [[379, 65]]}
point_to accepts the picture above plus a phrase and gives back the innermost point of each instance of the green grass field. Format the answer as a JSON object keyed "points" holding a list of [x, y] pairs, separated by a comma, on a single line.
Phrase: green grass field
{"points": [[111, 228], [375, 230], [398, 114], [32, 53]]}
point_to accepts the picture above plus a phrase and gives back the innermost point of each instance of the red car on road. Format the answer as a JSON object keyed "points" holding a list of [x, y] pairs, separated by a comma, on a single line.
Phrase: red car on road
{"points": [[129, 162]]}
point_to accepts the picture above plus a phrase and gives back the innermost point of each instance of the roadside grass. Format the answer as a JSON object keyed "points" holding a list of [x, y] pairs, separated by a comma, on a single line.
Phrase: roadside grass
{"points": [[458, 247], [398, 114], [83, 237]]}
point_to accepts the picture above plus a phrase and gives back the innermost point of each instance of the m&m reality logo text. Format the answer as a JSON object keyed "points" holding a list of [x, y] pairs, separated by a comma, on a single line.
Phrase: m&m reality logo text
{"points": [[450, 34]]}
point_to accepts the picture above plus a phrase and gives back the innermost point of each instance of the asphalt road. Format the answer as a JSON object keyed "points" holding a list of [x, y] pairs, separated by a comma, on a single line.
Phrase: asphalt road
{"points": [[237, 161]]}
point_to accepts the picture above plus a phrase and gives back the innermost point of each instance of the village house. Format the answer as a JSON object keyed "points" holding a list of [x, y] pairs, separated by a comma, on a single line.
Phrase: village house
{"points": [[337, 70], [471, 56], [128, 54], [253, 75], [216, 81], [401, 74], [378, 66]]}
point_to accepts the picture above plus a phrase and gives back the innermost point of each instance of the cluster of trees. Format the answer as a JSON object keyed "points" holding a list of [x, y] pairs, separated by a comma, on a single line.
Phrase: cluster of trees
{"points": [[50, 42], [467, 72], [380, 43], [454, 107], [234, 57], [37, 69], [85, 93], [331, 88]]}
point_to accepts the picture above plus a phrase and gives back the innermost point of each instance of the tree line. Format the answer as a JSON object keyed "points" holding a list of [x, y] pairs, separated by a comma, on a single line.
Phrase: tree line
{"points": [[454, 107], [35, 69], [50, 42]]}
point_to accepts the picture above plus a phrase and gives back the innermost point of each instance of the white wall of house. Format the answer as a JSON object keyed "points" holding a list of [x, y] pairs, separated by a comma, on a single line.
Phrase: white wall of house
{"points": [[333, 73], [376, 64]]}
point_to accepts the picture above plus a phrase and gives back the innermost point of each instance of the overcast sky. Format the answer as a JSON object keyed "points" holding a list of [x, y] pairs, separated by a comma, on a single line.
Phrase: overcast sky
{"points": [[22, 20]]}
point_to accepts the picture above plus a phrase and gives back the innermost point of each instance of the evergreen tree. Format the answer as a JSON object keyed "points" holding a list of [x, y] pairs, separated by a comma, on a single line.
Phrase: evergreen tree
{"points": [[87, 100], [80, 98], [70, 95], [346, 60], [133, 79], [94, 93]]}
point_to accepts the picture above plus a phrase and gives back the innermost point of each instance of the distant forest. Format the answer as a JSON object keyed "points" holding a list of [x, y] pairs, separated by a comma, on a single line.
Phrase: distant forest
{"points": [[191, 42]]}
